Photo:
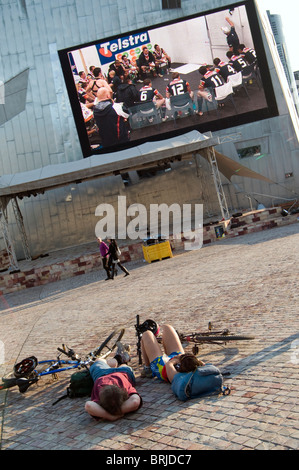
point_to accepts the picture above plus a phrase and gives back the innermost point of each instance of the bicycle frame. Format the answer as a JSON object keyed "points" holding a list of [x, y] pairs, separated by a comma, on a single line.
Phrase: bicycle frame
{"points": [[54, 366], [27, 372], [202, 336], [211, 336]]}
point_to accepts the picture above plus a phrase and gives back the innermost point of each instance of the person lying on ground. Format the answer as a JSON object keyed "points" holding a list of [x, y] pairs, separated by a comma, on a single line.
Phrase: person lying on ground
{"points": [[114, 393], [174, 361]]}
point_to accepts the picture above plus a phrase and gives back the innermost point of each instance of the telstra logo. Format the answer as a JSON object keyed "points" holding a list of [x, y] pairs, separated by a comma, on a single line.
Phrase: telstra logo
{"points": [[107, 50]]}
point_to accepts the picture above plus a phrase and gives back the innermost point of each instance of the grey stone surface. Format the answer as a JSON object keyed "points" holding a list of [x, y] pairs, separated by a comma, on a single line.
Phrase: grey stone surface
{"points": [[249, 285]]}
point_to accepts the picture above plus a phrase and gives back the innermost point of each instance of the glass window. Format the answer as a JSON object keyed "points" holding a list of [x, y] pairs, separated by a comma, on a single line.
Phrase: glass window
{"points": [[167, 4], [254, 151]]}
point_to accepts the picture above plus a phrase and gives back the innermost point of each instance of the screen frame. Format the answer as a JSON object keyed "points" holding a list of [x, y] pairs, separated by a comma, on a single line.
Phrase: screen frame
{"points": [[217, 125]]}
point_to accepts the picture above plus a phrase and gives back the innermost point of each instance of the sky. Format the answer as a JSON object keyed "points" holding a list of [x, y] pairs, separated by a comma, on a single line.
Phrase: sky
{"points": [[289, 11]]}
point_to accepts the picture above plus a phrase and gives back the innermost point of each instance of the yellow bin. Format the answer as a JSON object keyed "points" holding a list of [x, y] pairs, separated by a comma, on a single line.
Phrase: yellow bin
{"points": [[157, 252]]}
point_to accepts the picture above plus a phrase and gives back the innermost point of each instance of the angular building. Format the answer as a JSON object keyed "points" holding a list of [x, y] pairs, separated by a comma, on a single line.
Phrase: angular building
{"points": [[53, 177], [277, 28]]}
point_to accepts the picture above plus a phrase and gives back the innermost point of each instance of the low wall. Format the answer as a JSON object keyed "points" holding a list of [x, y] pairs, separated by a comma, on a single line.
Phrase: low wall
{"points": [[236, 226]]}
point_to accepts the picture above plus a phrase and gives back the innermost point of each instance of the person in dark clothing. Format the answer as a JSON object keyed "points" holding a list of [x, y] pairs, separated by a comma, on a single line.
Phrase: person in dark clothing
{"points": [[231, 36], [210, 80], [146, 62], [223, 68], [248, 53], [110, 119], [131, 70], [161, 58], [127, 93], [114, 258], [118, 69], [239, 64], [114, 80]]}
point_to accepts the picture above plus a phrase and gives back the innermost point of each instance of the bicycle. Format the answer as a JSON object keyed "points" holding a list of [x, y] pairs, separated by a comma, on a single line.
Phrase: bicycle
{"points": [[211, 337], [30, 370]]}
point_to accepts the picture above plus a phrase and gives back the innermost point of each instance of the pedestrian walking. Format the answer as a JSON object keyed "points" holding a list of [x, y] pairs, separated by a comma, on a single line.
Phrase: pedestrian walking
{"points": [[104, 251], [114, 254]]}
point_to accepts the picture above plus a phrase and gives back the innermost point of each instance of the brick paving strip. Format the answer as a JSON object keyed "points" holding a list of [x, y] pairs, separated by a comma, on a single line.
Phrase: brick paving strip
{"points": [[248, 284]]}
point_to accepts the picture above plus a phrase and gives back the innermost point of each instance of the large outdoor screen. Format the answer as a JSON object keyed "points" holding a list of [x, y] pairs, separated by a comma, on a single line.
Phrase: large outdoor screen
{"points": [[205, 72]]}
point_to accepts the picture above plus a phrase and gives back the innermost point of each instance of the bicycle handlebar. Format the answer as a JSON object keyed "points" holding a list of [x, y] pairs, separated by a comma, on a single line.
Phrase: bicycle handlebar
{"points": [[70, 353]]}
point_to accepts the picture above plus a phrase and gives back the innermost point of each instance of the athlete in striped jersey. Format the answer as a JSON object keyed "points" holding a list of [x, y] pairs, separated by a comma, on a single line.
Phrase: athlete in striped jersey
{"points": [[210, 78], [177, 86], [248, 53], [239, 63], [147, 94], [224, 69], [209, 81]]}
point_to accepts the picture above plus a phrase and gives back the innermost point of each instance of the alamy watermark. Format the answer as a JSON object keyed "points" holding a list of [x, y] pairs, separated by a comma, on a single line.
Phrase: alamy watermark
{"points": [[144, 223]]}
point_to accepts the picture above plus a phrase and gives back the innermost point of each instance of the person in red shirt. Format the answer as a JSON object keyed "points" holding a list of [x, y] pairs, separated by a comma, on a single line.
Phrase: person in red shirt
{"points": [[114, 393]]}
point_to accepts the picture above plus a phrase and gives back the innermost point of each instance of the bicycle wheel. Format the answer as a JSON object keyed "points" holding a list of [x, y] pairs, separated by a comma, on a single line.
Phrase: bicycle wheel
{"points": [[8, 383], [109, 344]]}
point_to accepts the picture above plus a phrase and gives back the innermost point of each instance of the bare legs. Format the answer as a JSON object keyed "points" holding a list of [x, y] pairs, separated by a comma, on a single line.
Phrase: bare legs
{"points": [[111, 361], [151, 349]]}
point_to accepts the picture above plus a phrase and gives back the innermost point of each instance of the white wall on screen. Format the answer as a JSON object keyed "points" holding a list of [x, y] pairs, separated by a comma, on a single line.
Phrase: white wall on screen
{"points": [[185, 42]]}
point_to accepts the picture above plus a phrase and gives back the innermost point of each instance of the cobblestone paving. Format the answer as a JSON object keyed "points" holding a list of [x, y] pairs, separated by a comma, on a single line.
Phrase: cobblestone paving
{"points": [[249, 285]]}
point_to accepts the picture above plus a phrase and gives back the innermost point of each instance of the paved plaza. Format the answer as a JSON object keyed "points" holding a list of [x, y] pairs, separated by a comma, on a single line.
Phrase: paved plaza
{"points": [[248, 284]]}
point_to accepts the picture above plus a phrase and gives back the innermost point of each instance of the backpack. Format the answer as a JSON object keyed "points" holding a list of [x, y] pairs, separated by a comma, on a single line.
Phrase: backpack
{"points": [[118, 252], [205, 380], [81, 385]]}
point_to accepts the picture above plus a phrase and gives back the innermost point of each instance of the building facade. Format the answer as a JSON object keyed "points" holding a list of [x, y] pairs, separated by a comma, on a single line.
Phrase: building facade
{"points": [[277, 28], [37, 127]]}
